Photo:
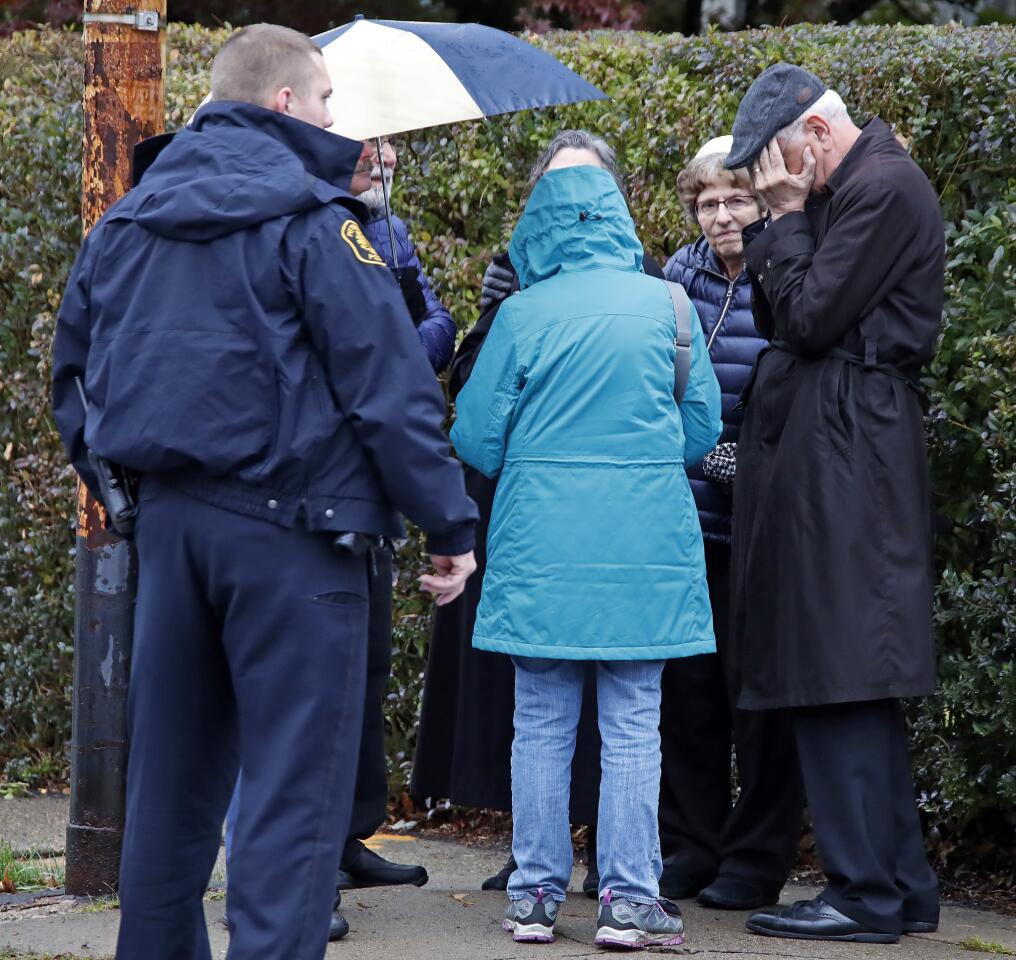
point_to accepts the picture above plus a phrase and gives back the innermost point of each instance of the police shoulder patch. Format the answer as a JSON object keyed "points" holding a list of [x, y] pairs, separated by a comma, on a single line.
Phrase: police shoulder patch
{"points": [[353, 234]]}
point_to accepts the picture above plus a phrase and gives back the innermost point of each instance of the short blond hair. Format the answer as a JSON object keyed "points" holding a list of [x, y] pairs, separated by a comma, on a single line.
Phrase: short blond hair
{"points": [[704, 172], [258, 61]]}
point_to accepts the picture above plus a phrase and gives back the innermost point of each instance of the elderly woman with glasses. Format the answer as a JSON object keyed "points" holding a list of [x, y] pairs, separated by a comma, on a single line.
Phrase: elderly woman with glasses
{"points": [[732, 856]]}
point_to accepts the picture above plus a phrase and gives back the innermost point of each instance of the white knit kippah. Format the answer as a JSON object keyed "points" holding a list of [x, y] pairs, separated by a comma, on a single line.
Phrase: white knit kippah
{"points": [[716, 145]]}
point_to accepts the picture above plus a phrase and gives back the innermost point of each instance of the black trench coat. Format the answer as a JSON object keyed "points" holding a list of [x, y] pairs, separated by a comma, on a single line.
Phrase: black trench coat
{"points": [[831, 565]]}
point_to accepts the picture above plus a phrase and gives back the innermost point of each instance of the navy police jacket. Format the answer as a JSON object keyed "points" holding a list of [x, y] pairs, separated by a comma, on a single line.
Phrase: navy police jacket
{"points": [[724, 309], [239, 337]]}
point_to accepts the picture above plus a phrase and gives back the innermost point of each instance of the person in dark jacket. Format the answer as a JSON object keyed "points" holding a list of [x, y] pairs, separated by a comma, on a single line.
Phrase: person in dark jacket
{"points": [[213, 320], [464, 744], [359, 865], [434, 323], [736, 857], [831, 572]]}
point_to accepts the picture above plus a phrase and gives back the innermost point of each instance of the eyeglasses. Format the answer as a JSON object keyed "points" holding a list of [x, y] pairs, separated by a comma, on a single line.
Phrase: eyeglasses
{"points": [[708, 209]]}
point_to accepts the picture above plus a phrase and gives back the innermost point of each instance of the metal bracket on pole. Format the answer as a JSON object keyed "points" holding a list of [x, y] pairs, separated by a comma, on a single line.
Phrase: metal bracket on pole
{"points": [[139, 19]]}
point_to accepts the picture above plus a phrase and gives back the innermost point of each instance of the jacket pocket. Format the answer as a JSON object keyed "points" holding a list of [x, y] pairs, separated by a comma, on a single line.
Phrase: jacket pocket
{"points": [[837, 406]]}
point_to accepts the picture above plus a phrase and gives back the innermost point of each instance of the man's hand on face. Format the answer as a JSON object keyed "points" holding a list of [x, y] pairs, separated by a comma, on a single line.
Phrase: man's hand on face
{"points": [[450, 579], [782, 191]]}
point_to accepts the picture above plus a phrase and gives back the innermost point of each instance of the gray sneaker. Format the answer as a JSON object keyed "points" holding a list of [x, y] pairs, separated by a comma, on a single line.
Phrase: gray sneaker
{"points": [[531, 918], [626, 923]]}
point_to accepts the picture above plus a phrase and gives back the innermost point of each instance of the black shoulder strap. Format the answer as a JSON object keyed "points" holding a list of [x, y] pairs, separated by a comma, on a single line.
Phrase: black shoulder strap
{"points": [[682, 342]]}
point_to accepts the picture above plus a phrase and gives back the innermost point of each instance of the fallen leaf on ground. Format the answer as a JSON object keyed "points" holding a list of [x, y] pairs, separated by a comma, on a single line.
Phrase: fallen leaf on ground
{"points": [[462, 898], [7, 884]]}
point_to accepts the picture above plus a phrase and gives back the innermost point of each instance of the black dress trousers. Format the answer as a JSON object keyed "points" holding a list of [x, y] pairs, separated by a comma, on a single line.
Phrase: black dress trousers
{"points": [[701, 834], [370, 802], [856, 768]]}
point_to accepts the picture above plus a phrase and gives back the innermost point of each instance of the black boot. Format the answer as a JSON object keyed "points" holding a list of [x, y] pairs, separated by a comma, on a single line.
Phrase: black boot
{"points": [[500, 879], [340, 925], [361, 867], [591, 885]]}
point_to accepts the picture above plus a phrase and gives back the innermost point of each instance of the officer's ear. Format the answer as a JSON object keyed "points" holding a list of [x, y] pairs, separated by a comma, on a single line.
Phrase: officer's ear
{"points": [[282, 100]]}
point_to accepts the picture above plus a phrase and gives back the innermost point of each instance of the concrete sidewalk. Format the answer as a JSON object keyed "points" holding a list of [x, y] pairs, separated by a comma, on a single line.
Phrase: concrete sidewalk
{"points": [[449, 919]]}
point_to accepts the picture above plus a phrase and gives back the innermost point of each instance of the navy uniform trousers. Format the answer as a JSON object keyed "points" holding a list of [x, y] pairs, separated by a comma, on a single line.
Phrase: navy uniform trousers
{"points": [[249, 646]]}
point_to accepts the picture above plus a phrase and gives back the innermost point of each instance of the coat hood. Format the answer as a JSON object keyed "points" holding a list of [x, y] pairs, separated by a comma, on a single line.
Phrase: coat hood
{"points": [[238, 165], [575, 219]]}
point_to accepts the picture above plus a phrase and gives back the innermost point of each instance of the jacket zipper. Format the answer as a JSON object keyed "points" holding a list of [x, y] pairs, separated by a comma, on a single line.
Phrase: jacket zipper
{"points": [[723, 313]]}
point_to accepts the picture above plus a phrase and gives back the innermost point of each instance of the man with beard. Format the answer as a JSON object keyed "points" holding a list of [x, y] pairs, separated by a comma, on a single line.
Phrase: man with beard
{"points": [[434, 322], [360, 866]]}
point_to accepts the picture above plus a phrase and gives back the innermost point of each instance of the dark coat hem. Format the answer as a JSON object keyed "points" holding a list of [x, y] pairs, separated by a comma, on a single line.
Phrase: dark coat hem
{"points": [[857, 695]]}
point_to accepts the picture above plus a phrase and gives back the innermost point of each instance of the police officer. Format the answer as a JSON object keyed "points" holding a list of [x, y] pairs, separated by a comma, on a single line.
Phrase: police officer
{"points": [[247, 352]]}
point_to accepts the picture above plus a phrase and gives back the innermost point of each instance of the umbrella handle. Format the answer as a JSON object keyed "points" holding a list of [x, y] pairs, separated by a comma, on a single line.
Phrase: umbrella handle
{"points": [[388, 206]]}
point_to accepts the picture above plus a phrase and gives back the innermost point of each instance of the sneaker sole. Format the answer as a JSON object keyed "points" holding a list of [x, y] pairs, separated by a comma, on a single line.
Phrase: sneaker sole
{"points": [[528, 932], [634, 939], [846, 938]]}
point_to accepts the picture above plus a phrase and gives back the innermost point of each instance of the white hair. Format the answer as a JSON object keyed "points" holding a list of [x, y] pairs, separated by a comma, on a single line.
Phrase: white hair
{"points": [[829, 106]]}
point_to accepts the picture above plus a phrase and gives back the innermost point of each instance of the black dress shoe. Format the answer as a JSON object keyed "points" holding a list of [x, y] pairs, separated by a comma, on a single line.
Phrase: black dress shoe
{"points": [[814, 920], [737, 893], [364, 868], [675, 885], [339, 927], [919, 926], [591, 884], [500, 879]]}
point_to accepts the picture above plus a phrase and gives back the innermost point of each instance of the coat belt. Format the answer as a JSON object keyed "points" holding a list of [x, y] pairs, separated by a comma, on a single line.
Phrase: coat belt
{"points": [[868, 362]]}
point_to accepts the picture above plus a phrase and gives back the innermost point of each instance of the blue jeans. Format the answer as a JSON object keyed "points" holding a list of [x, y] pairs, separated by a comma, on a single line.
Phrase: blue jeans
{"points": [[548, 698]]}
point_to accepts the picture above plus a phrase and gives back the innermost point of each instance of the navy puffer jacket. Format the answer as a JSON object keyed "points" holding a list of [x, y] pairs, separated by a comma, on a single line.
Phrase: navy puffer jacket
{"points": [[436, 329], [724, 309]]}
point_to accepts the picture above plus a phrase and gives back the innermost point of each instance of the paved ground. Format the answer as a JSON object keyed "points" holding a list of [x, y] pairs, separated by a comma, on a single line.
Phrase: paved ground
{"points": [[449, 919]]}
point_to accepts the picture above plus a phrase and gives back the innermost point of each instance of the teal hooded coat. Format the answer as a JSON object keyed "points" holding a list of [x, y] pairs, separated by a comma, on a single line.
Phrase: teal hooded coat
{"points": [[594, 550]]}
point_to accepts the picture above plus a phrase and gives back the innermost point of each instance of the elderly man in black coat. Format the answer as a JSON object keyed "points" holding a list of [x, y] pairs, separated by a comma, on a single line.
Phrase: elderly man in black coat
{"points": [[832, 581]]}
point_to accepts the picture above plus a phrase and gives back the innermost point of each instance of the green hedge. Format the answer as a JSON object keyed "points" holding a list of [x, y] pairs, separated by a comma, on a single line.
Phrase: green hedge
{"points": [[947, 90]]}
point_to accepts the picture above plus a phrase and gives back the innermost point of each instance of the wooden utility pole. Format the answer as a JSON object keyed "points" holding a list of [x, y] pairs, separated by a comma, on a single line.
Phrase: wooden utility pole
{"points": [[124, 102]]}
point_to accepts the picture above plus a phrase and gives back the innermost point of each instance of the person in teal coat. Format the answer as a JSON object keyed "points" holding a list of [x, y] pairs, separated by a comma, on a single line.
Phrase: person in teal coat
{"points": [[594, 548]]}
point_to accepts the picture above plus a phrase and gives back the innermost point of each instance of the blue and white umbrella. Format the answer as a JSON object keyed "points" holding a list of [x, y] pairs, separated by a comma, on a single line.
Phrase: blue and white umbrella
{"points": [[391, 76]]}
